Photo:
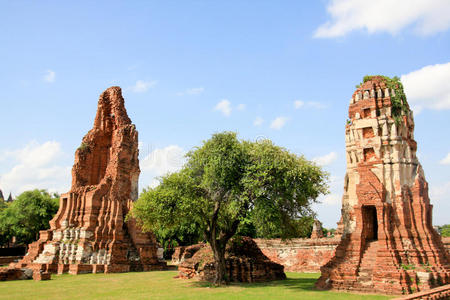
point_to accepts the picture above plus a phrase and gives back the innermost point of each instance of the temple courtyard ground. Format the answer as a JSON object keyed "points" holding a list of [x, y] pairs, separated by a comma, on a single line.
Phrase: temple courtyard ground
{"points": [[163, 285]]}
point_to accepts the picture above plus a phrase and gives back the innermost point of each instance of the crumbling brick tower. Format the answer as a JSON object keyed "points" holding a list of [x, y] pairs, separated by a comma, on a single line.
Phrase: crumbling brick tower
{"points": [[89, 233], [388, 244]]}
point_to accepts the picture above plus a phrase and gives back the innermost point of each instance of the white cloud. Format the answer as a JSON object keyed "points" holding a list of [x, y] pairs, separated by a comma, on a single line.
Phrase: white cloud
{"points": [[331, 199], [316, 105], [142, 86], [224, 106], [298, 104], [336, 188], [36, 166], [425, 16], [310, 104], [428, 87], [440, 192], [50, 76], [192, 91], [162, 161], [258, 121], [278, 123], [241, 107], [326, 159], [445, 160]]}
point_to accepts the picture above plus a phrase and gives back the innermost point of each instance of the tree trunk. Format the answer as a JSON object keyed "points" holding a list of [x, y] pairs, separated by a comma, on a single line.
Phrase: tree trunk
{"points": [[219, 260]]}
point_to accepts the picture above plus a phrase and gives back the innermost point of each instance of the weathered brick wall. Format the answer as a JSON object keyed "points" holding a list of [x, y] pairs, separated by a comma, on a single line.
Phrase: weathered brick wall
{"points": [[4, 260], [299, 255], [244, 262], [446, 241]]}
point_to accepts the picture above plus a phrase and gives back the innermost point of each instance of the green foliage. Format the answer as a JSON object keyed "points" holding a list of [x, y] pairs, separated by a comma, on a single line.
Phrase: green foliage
{"points": [[30, 212], [407, 266], [399, 103], [294, 228], [3, 204], [444, 230], [331, 230], [228, 185], [84, 147], [182, 235]]}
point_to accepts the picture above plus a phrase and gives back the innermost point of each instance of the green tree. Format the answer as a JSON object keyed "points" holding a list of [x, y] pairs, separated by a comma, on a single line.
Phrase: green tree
{"points": [[444, 230], [29, 213], [226, 182], [3, 204], [184, 234]]}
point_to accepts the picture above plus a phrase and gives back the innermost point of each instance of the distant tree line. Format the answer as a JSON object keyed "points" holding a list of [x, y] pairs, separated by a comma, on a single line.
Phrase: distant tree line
{"points": [[444, 230]]}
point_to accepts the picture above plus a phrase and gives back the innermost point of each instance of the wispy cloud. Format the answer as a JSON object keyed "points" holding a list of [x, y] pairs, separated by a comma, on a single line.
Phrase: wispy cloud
{"points": [[258, 121], [162, 161], [440, 192], [241, 107], [298, 104], [445, 160], [336, 186], [50, 76], [310, 104], [428, 87], [192, 91], [224, 106], [331, 199], [142, 86], [36, 166], [425, 16], [325, 160], [278, 123]]}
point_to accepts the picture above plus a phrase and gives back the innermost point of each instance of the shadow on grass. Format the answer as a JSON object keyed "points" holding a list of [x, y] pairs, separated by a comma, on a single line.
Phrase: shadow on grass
{"points": [[305, 284]]}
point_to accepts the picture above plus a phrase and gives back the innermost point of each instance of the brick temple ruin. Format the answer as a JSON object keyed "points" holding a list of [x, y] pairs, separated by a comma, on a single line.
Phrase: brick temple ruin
{"points": [[388, 243], [89, 232]]}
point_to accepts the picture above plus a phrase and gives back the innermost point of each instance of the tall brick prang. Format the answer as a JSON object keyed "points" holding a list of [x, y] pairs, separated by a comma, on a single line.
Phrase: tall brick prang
{"points": [[388, 243], [90, 233]]}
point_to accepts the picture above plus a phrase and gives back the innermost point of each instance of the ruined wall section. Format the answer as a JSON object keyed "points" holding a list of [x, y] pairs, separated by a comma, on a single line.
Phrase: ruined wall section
{"points": [[299, 255]]}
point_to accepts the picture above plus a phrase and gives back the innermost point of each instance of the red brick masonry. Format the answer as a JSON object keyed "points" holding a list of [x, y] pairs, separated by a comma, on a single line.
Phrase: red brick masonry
{"points": [[442, 292], [244, 262], [89, 232], [389, 244], [299, 255]]}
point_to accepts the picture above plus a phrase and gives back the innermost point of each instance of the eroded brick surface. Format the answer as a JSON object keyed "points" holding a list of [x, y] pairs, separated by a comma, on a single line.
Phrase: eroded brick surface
{"points": [[388, 244], [299, 255], [89, 232], [244, 262]]}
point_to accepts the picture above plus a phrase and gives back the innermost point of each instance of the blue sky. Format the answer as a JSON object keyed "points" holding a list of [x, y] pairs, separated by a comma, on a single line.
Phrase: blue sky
{"points": [[283, 70]]}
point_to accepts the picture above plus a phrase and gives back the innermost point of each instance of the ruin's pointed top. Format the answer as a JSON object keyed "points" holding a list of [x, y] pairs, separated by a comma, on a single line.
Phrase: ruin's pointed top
{"points": [[111, 108]]}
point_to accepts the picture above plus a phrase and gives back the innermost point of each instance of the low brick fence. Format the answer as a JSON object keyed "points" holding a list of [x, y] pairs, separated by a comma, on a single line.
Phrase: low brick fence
{"points": [[299, 255], [296, 255], [5, 260], [446, 241], [442, 292]]}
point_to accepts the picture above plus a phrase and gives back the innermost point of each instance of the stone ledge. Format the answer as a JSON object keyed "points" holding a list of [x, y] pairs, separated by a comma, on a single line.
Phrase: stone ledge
{"points": [[442, 292]]}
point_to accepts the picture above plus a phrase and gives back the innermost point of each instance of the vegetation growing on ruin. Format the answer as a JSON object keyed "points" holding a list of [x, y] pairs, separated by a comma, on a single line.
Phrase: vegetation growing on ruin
{"points": [[83, 147], [399, 103]]}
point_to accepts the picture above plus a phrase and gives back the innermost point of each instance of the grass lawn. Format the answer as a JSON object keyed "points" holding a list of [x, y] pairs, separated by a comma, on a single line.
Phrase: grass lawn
{"points": [[162, 285]]}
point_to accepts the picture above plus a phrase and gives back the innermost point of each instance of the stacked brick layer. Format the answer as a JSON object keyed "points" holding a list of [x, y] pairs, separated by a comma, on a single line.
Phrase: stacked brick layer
{"points": [[244, 263], [89, 233], [388, 244], [299, 255]]}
